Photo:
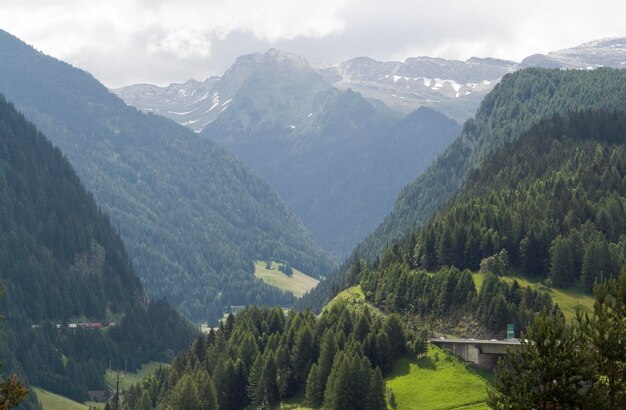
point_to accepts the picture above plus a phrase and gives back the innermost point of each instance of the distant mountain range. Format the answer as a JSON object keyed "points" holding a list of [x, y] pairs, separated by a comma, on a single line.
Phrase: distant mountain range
{"points": [[325, 137], [336, 159], [455, 88]]}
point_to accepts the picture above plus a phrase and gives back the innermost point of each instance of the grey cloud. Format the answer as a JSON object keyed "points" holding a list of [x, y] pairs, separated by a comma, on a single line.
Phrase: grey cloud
{"points": [[167, 41]]}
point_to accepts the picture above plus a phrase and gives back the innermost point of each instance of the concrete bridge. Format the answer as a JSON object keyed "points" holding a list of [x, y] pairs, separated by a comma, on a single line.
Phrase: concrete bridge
{"points": [[484, 353]]}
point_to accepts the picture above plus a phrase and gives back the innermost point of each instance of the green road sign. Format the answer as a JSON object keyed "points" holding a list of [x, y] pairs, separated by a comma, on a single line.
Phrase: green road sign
{"points": [[510, 331]]}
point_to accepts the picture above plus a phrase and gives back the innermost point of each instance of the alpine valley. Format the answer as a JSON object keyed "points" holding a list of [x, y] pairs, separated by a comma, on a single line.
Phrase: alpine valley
{"points": [[368, 235], [325, 137]]}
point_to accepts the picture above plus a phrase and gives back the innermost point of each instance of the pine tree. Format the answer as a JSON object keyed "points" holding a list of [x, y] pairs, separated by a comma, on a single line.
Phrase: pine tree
{"points": [[206, 389], [185, 394], [394, 330], [255, 385], [445, 253], [229, 397], [314, 393], [326, 358], [604, 332], [248, 350], [303, 354], [548, 371], [376, 393], [336, 390], [269, 384], [561, 263], [144, 402], [592, 265], [12, 392], [283, 369]]}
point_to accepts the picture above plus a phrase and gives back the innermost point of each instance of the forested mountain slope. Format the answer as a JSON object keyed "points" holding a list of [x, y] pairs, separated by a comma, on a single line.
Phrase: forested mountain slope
{"points": [[192, 216], [548, 205], [521, 100], [61, 261], [518, 102], [327, 151], [554, 199]]}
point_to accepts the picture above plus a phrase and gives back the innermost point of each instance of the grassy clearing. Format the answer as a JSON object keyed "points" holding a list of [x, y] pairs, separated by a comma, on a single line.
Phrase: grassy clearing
{"points": [[293, 403], [132, 378], [51, 401], [568, 299], [438, 381], [298, 284], [353, 296]]}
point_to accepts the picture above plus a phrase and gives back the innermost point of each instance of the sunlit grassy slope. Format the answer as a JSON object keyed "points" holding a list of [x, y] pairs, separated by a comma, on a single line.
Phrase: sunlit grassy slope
{"points": [[297, 284], [438, 381], [352, 296], [429, 384], [567, 299], [132, 378], [51, 401]]}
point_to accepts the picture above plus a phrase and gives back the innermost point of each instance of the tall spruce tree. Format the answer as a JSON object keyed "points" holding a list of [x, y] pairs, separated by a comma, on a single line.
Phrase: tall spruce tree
{"points": [[549, 371]]}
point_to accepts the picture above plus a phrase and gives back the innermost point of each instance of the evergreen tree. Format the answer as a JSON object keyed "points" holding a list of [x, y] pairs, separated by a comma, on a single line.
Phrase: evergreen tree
{"points": [[12, 392], [248, 350], [185, 394], [206, 390], [269, 384], [314, 392], [394, 329], [144, 402], [549, 371], [376, 393], [303, 354], [561, 263], [328, 351], [255, 386], [604, 333]]}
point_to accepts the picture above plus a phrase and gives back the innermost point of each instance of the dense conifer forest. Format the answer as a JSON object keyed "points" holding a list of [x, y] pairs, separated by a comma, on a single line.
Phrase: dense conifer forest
{"points": [[553, 200], [61, 261], [336, 361]]}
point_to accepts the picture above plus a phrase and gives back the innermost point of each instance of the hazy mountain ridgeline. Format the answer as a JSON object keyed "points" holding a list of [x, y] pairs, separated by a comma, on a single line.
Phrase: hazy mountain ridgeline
{"points": [[193, 104], [518, 102], [454, 88], [192, 216], [336, 160], [609, 52], [61, 262], [450, 86]]}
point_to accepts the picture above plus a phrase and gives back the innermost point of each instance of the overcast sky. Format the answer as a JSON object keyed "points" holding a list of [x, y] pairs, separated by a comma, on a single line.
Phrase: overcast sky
{"points": [[162, 41]]}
